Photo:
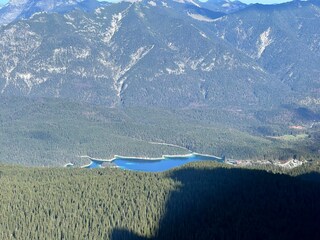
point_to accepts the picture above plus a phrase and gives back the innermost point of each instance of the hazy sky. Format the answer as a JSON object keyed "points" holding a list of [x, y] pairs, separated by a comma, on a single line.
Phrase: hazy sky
{"points": [[245, 1]]}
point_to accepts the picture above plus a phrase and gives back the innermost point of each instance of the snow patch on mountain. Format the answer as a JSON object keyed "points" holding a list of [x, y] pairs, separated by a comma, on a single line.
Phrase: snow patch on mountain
{"points": [[114, 25], [208, 67], [195, 63], [177, 71], [132, 1], [135, 57], [226, 5], [263, 42], [172, 46], [188, 2], [200, 17], [29, 80], [99, 10], [203, 34], [164, 4], [152, 3]]}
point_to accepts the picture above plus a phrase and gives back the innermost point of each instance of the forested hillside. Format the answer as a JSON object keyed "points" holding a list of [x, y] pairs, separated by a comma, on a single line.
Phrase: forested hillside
{"points": [[45, 132], [241, 82], [82, 79], [199, 201]]}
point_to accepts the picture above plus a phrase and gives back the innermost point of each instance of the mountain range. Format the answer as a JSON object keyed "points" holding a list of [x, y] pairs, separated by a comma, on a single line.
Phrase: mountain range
{"points": [[173, 53], [24, 9]]}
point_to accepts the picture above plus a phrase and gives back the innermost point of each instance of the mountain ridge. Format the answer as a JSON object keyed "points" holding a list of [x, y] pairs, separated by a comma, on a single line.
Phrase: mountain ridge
{"points": [[142, 54], [24, 9], [120, 65]]}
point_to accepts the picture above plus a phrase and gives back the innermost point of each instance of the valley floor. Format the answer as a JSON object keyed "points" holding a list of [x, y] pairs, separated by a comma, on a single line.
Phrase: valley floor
{"points": [[52, 132]]}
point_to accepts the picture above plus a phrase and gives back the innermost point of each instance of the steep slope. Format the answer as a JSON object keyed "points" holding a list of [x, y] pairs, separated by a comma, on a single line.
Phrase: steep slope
{"points": [[284, 39], [131, 54]]}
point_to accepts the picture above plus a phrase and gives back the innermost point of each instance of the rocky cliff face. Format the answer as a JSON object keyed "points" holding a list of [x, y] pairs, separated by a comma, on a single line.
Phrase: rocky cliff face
{"points": [[283, 39], [164, 53]]}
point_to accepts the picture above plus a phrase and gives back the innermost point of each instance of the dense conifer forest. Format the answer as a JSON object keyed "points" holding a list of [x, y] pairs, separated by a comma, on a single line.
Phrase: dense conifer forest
{"points": [[46, 132], [93, 79], [203, 200]]}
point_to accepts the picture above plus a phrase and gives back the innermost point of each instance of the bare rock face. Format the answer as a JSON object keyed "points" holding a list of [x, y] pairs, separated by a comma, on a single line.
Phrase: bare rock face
{"points": [[162, 53]]}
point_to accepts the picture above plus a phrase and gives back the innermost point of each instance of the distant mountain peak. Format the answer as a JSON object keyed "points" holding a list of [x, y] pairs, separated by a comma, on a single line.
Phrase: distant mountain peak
{"points": [[48, 3], [225, 6], [20, 9], [188, 2]]}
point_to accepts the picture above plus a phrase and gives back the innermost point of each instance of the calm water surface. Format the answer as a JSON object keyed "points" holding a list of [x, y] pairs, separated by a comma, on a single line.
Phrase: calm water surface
{"points": [[154, 165]]}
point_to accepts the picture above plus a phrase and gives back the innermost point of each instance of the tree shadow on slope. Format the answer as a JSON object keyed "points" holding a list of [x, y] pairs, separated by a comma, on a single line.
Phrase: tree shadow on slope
{"points": [[223, 203], [311, 177]]}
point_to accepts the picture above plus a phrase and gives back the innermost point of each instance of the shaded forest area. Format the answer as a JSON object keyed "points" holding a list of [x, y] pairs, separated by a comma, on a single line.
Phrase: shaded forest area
{"points": [[203, 200]]}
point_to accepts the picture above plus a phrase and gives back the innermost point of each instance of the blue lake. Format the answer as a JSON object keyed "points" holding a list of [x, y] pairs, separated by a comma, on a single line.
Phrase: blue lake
{"points": [[153, 165]]}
